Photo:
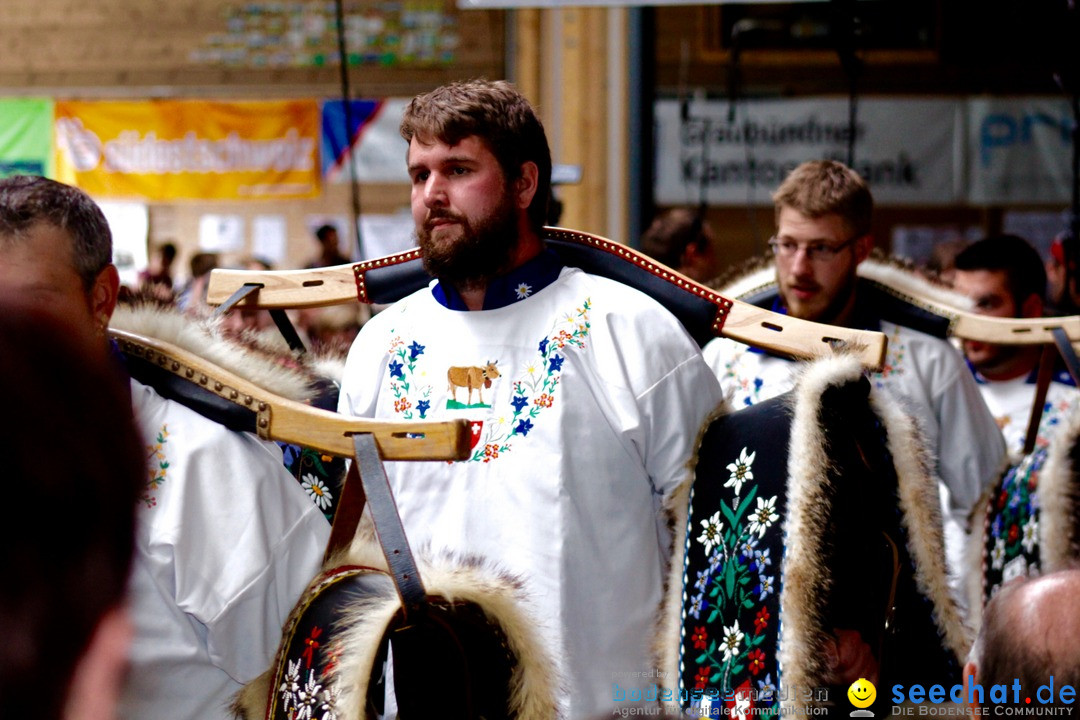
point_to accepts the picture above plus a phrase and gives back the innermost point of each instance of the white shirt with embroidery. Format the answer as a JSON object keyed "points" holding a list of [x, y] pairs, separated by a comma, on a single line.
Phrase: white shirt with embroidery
{"points": [[932, 382], [226, 542], [585, 399], [1010, 403]]}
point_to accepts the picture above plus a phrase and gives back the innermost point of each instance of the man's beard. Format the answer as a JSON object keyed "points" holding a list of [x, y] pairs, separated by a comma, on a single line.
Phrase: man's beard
{"points": [[479, 253]]}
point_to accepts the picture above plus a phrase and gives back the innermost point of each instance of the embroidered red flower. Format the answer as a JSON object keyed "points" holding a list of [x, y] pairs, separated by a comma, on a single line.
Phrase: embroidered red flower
{"points": [[1002, 499], [761, 621], [700, 637], [545, 400], [756, 660], [402, 404], [702, 678], [1033, 481], [491, 451], [1014, 532]]}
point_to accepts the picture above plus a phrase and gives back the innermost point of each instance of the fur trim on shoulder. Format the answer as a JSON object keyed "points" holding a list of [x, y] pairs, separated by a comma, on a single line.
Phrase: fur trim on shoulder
{"points": [[1059, 500], [902, 280], [892, 274], [805, 583], [274, 370], [921, 512], [470, 579]]}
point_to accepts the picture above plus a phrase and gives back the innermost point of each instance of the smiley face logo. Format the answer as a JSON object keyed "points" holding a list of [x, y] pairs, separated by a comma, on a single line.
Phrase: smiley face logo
{"points": [[862, 693]]}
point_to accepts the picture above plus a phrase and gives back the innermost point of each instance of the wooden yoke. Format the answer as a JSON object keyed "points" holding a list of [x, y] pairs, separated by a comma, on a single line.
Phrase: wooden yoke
{"points": [[278, 418], [702, 311]]}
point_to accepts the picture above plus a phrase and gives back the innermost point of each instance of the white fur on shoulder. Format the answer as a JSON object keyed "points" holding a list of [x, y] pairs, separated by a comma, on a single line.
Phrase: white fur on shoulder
{"points": [[912, 286], [204, 339], [1059, 503]]}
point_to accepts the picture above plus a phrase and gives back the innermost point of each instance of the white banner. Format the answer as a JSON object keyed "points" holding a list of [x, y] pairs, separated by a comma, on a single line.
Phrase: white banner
{"points": [[907, 148], [1019, 150]]}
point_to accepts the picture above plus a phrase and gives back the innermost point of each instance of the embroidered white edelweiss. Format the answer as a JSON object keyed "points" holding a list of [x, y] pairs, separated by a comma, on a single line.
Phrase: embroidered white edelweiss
{"points": [[733, 638], [764, 516], [317, 491], [1031, 535], [523, 290], [290, 686], [308, 698], [710, 534], [740, 471]]}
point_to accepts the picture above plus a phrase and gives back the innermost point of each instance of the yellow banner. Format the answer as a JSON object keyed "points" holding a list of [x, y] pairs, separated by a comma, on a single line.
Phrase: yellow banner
{"points": [[189, 149]]}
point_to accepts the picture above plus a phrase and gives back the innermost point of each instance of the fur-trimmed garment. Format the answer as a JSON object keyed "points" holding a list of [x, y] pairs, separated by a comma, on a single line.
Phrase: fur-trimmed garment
{"points": [[1028, 523], [350, 651], [927, 376], [789, 528]]}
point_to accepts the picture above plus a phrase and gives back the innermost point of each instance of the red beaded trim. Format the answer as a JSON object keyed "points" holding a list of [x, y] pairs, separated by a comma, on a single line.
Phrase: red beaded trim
{"points": [[360, 268]]}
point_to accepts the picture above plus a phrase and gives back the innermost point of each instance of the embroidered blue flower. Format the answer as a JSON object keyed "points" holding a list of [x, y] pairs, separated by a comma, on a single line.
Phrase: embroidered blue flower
{"points": [[422, 407], [290, 452], [761, 557], [524, 426], [702, 580], [543, 346], [556, 362], [415, 350], [519, 402], [764, 587], [395, 369], [697, 604], [766, 688]]}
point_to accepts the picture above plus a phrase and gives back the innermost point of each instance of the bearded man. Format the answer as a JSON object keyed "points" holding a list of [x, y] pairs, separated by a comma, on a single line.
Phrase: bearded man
{"points": [[592, 393], [823, 215]]}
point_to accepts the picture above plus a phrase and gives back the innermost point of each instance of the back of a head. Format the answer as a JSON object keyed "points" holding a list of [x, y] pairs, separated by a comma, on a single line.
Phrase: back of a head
{"points": [[1012, 255], [1030, 631], [498, 114], [27, 200], [73, 471], [669, 235], [826, 187], [202, 263]]}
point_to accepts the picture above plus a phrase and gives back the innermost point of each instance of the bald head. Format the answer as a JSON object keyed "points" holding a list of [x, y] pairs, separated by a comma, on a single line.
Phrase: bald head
{"points": [[1030, 631]]}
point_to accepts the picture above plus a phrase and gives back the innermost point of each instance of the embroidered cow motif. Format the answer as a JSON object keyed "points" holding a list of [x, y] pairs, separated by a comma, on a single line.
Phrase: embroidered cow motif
{"points": [[471, 378]]}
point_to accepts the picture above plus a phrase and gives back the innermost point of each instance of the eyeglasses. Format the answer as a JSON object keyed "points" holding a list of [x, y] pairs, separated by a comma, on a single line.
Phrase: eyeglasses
{"points": [[815, 252]]}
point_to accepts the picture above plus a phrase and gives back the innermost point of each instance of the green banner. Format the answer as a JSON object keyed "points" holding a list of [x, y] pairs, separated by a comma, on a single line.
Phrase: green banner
{"points": [[26, 134]]}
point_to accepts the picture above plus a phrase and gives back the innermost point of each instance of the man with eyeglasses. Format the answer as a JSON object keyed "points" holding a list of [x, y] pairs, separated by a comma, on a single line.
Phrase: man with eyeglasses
{"points": [[823, 211]]}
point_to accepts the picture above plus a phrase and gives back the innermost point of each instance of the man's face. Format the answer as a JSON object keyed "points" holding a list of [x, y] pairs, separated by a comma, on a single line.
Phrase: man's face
{"points": [[40, 268], [989, 289], [466, 219], [818, 289]]}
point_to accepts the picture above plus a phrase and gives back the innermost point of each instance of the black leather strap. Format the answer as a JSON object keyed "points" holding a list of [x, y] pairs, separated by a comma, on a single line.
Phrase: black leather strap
{"points": [[395, 546], [1042, 385], [241, 292], [1068, 354], [285, 326]]}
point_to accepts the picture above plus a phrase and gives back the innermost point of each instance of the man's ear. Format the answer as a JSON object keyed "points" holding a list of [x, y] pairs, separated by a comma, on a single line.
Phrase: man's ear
{"points": [[1032, 307], [104, 294], [526, 184], [863, 246]]}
